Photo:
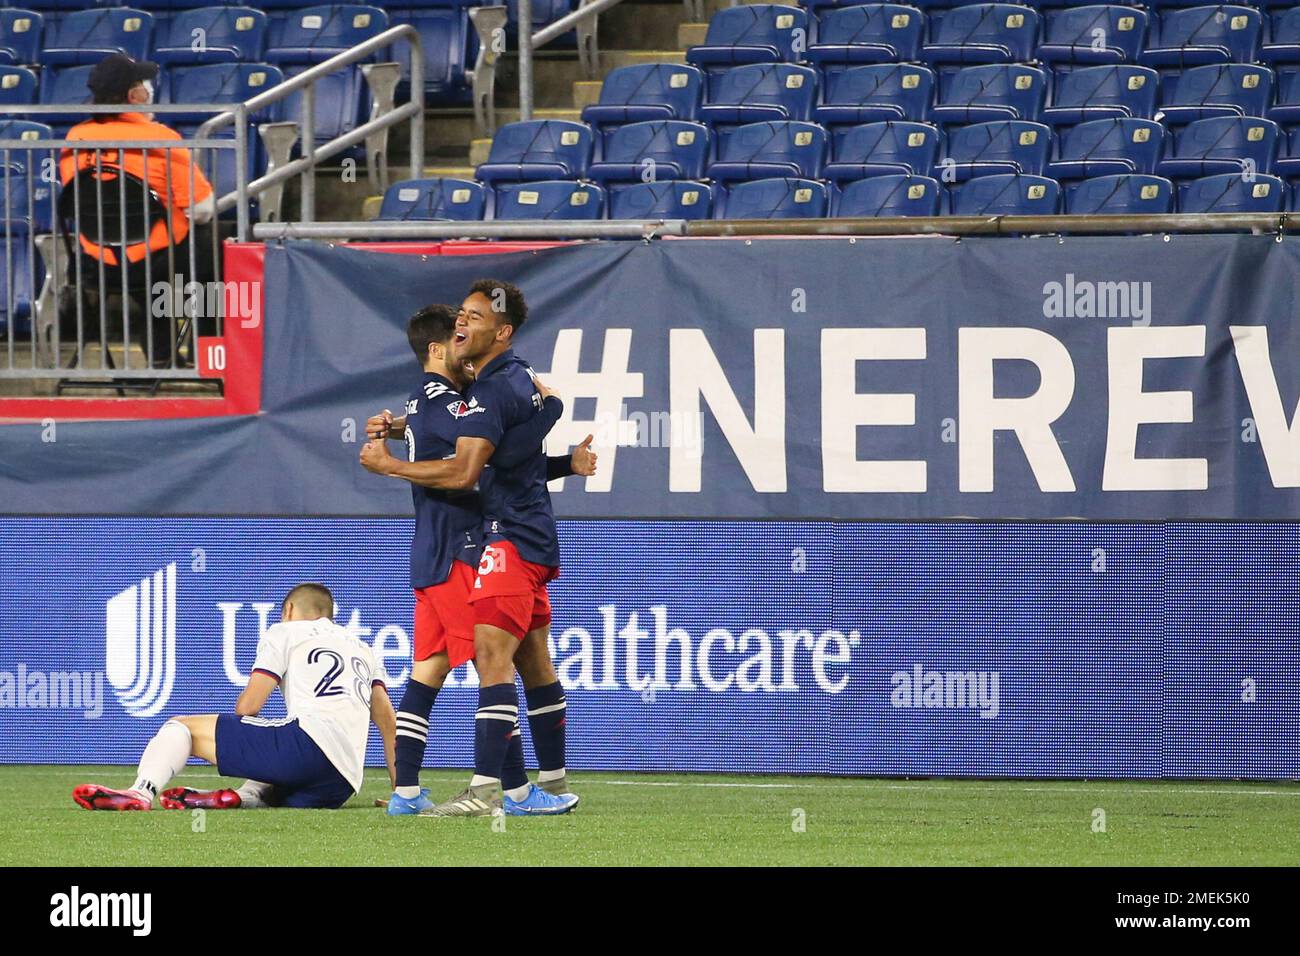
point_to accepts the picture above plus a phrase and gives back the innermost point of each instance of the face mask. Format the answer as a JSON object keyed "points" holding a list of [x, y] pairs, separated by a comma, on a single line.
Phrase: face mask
{"points": [[148, 88]]}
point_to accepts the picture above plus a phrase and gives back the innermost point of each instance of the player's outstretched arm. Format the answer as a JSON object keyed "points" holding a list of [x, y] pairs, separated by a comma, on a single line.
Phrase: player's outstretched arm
{"points": [[256, 693], [450, 474], [383, 717]]}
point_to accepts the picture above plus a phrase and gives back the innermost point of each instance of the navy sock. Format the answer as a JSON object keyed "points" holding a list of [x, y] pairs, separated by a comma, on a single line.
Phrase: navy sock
{"points": [[546, 716], [494, 725], [513, 774], [413, 730]]}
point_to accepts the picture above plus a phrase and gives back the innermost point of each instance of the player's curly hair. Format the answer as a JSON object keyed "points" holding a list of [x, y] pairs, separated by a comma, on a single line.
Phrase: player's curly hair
{"points": [[433, 323], [507, 301]]}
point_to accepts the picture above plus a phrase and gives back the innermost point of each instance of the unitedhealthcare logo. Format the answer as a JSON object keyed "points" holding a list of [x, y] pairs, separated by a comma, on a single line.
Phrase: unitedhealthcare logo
{"points": [[140, 643]]}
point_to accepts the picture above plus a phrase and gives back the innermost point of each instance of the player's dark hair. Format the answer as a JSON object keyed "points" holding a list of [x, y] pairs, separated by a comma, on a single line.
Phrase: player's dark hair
{"points": [[433, 323], [311, 598], [507, 301]]}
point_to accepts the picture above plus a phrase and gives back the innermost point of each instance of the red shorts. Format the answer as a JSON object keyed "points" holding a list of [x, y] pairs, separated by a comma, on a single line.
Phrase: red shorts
{"points": [[509, 592], [443, 618]]}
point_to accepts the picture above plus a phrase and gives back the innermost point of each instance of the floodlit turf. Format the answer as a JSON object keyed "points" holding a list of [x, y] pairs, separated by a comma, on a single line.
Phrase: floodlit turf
{"points": [[653, 819]]}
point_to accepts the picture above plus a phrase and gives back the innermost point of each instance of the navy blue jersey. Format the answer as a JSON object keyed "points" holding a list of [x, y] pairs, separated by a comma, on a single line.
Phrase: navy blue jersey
{"points": [[516, 504], [448, 524]]}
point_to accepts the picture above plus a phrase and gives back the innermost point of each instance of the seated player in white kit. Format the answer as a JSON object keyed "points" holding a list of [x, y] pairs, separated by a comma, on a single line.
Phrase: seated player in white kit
{"points": [[313, 758]]}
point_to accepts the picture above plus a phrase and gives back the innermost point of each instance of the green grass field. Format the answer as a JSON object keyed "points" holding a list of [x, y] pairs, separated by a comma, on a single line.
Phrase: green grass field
{"points": [[654, 819]]}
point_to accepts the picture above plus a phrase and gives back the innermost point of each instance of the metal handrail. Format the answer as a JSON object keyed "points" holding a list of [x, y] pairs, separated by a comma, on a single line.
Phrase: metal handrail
{"points": [[939, 226], [586, 14], [314, 155], [534, 229]]}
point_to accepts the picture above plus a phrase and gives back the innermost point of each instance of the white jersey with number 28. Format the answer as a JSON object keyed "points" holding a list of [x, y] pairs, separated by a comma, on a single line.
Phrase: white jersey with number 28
{"points": [[326, 676]]}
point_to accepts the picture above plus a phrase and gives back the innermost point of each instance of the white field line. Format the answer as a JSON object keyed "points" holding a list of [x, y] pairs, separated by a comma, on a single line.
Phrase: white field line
{"points": [[1131, 787]]}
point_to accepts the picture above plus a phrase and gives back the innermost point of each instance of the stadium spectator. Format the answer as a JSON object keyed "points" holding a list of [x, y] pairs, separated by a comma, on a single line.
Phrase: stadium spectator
{"points": [[170, 174]]}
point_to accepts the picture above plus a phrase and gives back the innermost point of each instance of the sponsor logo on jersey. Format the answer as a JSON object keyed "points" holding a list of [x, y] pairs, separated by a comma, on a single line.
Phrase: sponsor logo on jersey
{"points": [[463, 409]]}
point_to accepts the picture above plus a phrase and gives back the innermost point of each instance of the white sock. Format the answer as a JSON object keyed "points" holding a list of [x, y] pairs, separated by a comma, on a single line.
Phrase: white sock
{"points": [[546, 776], [478, 781], [253, 795], [518, 793], [162, 759], [408, 793]]}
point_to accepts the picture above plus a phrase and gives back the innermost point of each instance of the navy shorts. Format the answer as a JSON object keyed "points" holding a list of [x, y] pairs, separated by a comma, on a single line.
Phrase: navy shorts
{"points": [[282, 754]]}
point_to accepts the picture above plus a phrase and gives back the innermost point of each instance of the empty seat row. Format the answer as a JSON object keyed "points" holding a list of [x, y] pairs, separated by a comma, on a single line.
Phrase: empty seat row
{"points": [[998, 33], [898, 194], [675, 149]]}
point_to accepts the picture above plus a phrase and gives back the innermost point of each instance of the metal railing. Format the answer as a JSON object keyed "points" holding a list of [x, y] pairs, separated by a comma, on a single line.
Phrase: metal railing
{"points": [[381, 79], [167, 319], [584, 20]]}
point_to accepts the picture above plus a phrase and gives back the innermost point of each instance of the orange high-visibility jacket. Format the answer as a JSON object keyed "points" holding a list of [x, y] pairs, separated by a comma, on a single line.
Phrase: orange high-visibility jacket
{"points": [[153, 168]]}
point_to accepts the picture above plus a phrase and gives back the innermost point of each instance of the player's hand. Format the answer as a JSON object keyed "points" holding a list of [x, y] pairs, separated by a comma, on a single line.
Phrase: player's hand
{"points": [[378, 426], [583, 459], [543, 390], [375, 458]]}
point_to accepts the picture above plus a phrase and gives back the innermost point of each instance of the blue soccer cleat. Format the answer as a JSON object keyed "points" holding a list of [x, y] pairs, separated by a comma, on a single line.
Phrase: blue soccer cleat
{"points": [[539, 803], [406, 806]]}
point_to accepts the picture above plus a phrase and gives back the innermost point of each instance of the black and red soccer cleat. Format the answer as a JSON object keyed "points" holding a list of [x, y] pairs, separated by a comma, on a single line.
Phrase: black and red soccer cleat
{"points": [[94, 797], [183, 798]]}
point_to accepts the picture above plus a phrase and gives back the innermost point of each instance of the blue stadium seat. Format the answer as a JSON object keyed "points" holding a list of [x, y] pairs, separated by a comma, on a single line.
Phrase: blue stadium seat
{"points": [[314, 34], [1127, 194], [434, 200], [31, 201], [212, 35], [64, 86], [17, 281], [1107, 147], [1191, 37], [1072, 35], [771, 150], [649, 91], [882, 149], [862, 94], [757, 33], [1288, 156], [216, 83], [1232, 192], [898, 195], [979, 93], [873, 33], [987, 149], [1097, 92], [1220, 145], [1282, 38], [537, 150], [1007, 194], [679, 199], [984, 33], [762, 91], [552, 199], [1220, 89], [773, 199], [25, 130], [17, 86], [20, 36], [88, 36], [660, 149], [448, 41], [1286, 103]]}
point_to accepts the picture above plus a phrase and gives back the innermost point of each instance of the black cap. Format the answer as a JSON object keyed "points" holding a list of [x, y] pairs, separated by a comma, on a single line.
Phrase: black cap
{"points": [[113, 77]]}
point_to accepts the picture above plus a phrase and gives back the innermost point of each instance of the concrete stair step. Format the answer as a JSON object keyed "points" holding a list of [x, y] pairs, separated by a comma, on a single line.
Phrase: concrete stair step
{"points": [[585, 93], [370, 208], [691, 34], [450, 172], [478, 151], [640, 26], [713, 6], [613, 59]]}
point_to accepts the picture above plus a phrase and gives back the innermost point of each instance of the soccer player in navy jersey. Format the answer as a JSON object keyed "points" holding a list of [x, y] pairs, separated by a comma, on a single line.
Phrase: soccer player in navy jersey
{"points": [[446, 548], [521, 552]]}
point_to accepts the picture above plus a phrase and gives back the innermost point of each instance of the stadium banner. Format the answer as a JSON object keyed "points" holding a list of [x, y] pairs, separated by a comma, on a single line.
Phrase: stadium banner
{"points": [[1105, 378], [1059, 649]]}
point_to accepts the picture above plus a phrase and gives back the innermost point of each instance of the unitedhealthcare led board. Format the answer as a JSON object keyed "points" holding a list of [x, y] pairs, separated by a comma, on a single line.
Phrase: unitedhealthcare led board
{"points": [[990, 649]]}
